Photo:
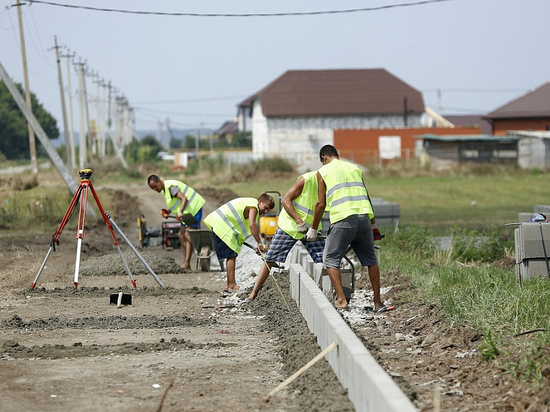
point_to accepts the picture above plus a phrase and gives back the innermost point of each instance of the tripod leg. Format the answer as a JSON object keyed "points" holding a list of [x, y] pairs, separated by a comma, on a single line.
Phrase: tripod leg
{"points": [[135, 251], [80, 231], [33, 284], [126, 266], [57, 234]]}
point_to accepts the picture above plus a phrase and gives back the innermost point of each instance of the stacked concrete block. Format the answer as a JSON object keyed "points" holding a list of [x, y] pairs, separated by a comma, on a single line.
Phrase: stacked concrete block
{"points": [[386, 213], [532, 246], [544, 209]]}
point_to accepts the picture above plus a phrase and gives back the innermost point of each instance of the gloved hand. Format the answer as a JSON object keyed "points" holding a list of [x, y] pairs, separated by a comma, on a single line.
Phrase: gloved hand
{"points": [[376, 233], [178, 217], [164, 213], [311, 235], [302, 228]]}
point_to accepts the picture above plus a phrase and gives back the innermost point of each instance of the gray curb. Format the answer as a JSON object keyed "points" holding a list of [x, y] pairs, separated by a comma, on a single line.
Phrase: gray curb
{"points": [[369, 387]]}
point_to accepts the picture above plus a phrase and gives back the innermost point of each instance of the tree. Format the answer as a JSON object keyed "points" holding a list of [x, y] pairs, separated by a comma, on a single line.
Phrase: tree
{"points": [[142, 151], [14, 133]]}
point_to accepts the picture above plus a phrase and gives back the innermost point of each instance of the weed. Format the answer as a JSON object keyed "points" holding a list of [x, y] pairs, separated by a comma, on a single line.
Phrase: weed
{"points": [[489, 349]]}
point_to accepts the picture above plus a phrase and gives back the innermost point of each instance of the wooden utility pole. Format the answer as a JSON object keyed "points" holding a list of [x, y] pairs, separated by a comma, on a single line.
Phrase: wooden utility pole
{"points": [[70, 160], [32, 142], [71, 119]]}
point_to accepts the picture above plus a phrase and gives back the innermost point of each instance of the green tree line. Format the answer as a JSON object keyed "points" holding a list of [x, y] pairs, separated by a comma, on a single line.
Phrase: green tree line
{"points": [[14, 135]]}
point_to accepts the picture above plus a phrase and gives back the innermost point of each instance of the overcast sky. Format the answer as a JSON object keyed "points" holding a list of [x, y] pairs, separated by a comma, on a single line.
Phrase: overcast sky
{"points": [[194, 70]]}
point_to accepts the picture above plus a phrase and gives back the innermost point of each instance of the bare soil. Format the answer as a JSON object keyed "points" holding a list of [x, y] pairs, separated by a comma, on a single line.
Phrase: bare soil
{"points": [[187, 347]]}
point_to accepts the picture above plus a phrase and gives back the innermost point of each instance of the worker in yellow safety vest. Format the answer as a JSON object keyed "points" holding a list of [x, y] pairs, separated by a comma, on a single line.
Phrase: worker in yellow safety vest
{"points": [[184, 203], [352, 222], [292, 225], [231, 224]]}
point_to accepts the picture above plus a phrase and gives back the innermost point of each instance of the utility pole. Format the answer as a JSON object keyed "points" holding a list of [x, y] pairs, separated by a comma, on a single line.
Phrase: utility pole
{"points": [[70, 160], [32, 142], [82, 152], [71, 120]]}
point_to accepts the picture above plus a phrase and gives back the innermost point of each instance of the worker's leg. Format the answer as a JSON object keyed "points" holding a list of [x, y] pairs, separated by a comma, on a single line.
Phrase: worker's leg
{"points": [[230, 267], [260, 280], [281, 243], [338, 239], [336, 279], [186, 246]]}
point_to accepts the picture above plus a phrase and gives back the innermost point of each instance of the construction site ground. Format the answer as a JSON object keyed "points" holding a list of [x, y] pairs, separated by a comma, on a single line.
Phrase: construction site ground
{"points": [[187, 347]]}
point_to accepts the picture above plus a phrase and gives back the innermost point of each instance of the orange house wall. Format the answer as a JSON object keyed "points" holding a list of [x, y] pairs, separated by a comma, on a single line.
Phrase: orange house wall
{"points": [[361, 145], [500, 127]]}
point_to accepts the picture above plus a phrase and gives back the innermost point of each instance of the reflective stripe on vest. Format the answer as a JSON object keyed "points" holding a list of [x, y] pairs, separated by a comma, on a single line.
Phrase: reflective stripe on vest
{"points": [[194, 200], [346, 193], [229, 224], [304, 205]]}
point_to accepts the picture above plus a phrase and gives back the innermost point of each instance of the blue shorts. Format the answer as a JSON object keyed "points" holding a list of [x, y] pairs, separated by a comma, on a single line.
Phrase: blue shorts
{"points": [[354, 231], [282, 242], [198, 218], [222, 250]]}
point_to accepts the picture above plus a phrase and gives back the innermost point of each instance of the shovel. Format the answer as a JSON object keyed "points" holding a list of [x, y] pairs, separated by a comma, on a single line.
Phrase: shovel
{"points": [[120, 299]]}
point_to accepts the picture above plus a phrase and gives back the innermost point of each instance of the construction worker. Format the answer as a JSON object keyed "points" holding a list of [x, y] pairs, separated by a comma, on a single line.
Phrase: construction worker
{"points": [[352, 222], [231, 224], [292, 225], [181, 199]]}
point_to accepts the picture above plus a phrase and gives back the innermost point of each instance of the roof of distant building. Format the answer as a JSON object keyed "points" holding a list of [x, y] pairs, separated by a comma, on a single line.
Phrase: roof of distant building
{"points": [[470, 120], [228, 127], [337, 93], [468, 137], [533, 104]]}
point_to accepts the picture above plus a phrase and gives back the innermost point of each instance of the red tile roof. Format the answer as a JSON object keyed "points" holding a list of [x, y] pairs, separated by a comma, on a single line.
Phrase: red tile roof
{"points": [[533, 104], [337, 93]]}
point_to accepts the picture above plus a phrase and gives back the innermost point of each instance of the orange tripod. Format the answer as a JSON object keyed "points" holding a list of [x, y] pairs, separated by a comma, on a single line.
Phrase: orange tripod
{"points": [[81, 198]]}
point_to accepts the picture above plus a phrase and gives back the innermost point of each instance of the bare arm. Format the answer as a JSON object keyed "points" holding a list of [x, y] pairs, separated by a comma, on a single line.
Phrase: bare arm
{"points": [[252, 214], [293, 193], [321, 202], [184, 201]]}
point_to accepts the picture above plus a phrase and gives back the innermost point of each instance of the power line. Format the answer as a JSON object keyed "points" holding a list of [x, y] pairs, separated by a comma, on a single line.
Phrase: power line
{"points": [[477, 90], [205, 99], [282, 14]]}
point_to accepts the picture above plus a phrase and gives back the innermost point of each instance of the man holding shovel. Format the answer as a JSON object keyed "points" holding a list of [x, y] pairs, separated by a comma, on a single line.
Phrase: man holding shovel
{"points": [[183, 202], [231, 224], [352, 222], [298, 206]]}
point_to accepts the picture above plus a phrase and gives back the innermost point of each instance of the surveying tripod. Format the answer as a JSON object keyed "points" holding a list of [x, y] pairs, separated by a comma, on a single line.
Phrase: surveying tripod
{"points": [[81, 197]]}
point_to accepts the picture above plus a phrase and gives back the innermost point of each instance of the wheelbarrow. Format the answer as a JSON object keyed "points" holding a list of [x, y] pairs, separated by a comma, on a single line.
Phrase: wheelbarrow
{"points": [[203, 244]]}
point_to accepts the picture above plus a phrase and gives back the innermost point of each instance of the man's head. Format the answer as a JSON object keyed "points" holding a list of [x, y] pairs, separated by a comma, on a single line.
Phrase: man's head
{"points": [[327, 153], [155, 183], [265, 203]]}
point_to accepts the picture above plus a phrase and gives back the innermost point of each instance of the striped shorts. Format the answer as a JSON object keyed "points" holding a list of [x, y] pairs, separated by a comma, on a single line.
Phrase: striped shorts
{"points": [[282, 242]]}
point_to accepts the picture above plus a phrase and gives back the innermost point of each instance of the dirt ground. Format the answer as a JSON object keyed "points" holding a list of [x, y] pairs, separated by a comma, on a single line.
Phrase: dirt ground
{"points": [[186, 347]]}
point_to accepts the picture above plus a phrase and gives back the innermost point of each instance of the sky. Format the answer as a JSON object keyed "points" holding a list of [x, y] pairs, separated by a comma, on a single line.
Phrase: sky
{"points": [[192, 62]]}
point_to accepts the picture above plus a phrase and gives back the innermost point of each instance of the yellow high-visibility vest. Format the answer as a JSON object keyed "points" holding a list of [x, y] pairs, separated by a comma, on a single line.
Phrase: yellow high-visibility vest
{"points": [[229, 224], [304, 205], [346, 193], [195, 200]]}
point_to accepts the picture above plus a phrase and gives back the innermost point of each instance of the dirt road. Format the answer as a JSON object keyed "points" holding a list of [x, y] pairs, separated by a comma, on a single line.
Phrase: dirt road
{"points": [[184, 347], [187, 348]]}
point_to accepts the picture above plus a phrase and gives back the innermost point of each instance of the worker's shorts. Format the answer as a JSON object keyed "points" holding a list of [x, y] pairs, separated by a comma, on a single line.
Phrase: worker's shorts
{"points": [[354, 231], [198, 218], [222, 250], [282, 242]]}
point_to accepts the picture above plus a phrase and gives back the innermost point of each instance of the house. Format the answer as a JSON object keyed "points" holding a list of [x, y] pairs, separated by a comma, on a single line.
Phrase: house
{"points": [[227, 130], [528, 112], [470, 120], [380, 146], [443, 152], [297, 113], [533, 149]]}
